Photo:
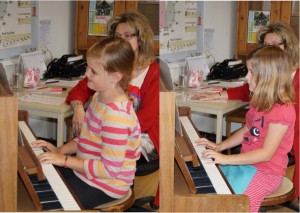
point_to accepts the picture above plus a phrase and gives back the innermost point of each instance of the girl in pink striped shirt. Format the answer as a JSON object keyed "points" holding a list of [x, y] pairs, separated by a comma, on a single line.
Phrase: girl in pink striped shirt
{"points": [[105, 154]]}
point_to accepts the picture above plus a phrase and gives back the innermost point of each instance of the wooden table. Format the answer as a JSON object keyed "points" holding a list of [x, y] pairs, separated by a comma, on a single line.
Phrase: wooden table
{"points": [[217, 108], [58, 112]]}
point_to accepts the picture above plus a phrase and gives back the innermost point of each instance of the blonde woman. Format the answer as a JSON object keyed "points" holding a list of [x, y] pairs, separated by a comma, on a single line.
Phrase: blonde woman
{"points": [[144, 86]]}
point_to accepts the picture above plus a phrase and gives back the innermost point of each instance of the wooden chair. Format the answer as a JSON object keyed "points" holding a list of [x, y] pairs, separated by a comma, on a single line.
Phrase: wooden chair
{"points": [[23, 116], [284, 194], [237, 116], [119, 205], [69, 128]]}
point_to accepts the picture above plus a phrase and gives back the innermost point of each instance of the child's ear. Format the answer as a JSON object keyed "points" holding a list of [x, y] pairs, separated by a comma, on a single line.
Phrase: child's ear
{"points": [[116, 77]]}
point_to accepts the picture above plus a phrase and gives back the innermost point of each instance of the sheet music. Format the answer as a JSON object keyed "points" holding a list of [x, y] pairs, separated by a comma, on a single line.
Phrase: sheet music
{"points": [[42, 99], [189, 99]]}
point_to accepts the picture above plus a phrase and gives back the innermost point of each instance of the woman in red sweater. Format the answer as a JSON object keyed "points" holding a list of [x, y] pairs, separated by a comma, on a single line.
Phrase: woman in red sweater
{"points": [[281, 35], [144, 86]]}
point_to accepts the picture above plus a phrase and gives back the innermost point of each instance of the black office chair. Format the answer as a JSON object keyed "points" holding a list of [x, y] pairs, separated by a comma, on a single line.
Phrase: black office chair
{"points": [[145, 168]]}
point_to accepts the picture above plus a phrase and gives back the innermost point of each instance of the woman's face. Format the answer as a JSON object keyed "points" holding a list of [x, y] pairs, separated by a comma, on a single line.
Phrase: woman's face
{"points": [[272, 39], [249, 77], [124, 31]]}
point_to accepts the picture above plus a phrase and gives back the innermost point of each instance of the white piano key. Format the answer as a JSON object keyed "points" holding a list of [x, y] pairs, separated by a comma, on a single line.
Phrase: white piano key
{"points": [[62, 192], [211, 169]]}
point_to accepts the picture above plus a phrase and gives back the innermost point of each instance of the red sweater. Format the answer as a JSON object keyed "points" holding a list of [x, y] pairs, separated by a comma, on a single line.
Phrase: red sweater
{"points": [[296, 136], [148, 114], [242, 93]]}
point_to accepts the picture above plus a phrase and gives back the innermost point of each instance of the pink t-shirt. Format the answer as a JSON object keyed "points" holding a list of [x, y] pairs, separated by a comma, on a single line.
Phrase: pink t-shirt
{"points": [[258, 123]]}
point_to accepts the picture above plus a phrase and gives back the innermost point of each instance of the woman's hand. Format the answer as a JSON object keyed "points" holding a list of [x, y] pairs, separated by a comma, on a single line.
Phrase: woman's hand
{"points": [[52, 158], [205, 96], [78, 118], [46, 146]]}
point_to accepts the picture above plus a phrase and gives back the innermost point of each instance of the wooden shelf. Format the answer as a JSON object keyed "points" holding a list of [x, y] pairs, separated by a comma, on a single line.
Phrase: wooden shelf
{"points": [[280, 11], [83, 40]]}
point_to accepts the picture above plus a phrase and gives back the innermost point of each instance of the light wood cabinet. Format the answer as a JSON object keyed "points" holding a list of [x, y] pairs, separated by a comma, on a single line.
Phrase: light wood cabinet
{"points": [[279, 11], [82, 38]]}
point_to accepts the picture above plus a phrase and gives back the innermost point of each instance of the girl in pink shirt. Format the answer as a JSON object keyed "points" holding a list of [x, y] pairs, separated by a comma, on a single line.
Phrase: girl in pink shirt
{"points": [[268, 134]]}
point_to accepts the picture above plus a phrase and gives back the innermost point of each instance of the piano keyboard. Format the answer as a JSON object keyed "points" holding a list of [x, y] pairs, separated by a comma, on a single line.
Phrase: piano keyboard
{"points": [[211, 169], [61, 191], [200, 179], [45, 193]]}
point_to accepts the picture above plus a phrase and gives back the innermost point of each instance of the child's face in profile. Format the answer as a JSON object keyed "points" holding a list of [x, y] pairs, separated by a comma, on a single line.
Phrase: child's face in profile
{"points": [[99, 79], [250, 77]]}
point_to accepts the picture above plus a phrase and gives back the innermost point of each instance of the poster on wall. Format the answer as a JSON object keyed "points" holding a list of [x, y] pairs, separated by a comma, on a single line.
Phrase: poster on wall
{"points": [[256, 20], [15, 23], [177, 26], [100, 11]]}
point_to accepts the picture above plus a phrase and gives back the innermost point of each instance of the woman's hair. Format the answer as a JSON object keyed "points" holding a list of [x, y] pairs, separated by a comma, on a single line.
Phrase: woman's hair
{"points": [[141, 26], [287, 37], [115, 55], [270, 70]]}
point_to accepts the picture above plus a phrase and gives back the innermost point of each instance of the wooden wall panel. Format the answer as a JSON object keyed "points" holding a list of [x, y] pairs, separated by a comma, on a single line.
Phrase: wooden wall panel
{"points": [[8, 153]]}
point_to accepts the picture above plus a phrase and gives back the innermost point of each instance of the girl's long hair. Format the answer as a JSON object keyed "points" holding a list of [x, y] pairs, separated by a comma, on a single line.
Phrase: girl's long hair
{"points": [[270, 70]]}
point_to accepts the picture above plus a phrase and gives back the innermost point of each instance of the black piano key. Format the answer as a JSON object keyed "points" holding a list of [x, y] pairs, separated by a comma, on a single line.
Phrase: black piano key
{"points": [[47, 196], [52, 206], [35, 180], [202, 182], [45, 193], [42, 187], [206, 190]]}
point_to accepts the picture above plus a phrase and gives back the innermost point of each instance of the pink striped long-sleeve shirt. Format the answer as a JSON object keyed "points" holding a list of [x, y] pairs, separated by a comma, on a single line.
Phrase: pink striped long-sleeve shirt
{"points": [[110, 144]]}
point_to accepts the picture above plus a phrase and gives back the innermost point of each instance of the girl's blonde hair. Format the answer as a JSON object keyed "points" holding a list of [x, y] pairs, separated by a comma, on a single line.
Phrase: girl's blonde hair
{"points": [[287, 37], [115, 55], [142, 29], [270, 70]]}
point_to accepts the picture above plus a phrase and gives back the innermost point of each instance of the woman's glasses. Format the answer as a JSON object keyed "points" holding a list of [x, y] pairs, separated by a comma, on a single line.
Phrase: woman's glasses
{"points": [[274, 43], [126, 36]]}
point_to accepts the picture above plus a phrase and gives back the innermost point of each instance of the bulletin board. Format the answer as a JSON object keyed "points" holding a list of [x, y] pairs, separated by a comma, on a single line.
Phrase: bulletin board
{"points": [[19, 26], [178, 26], [100, 11]]}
